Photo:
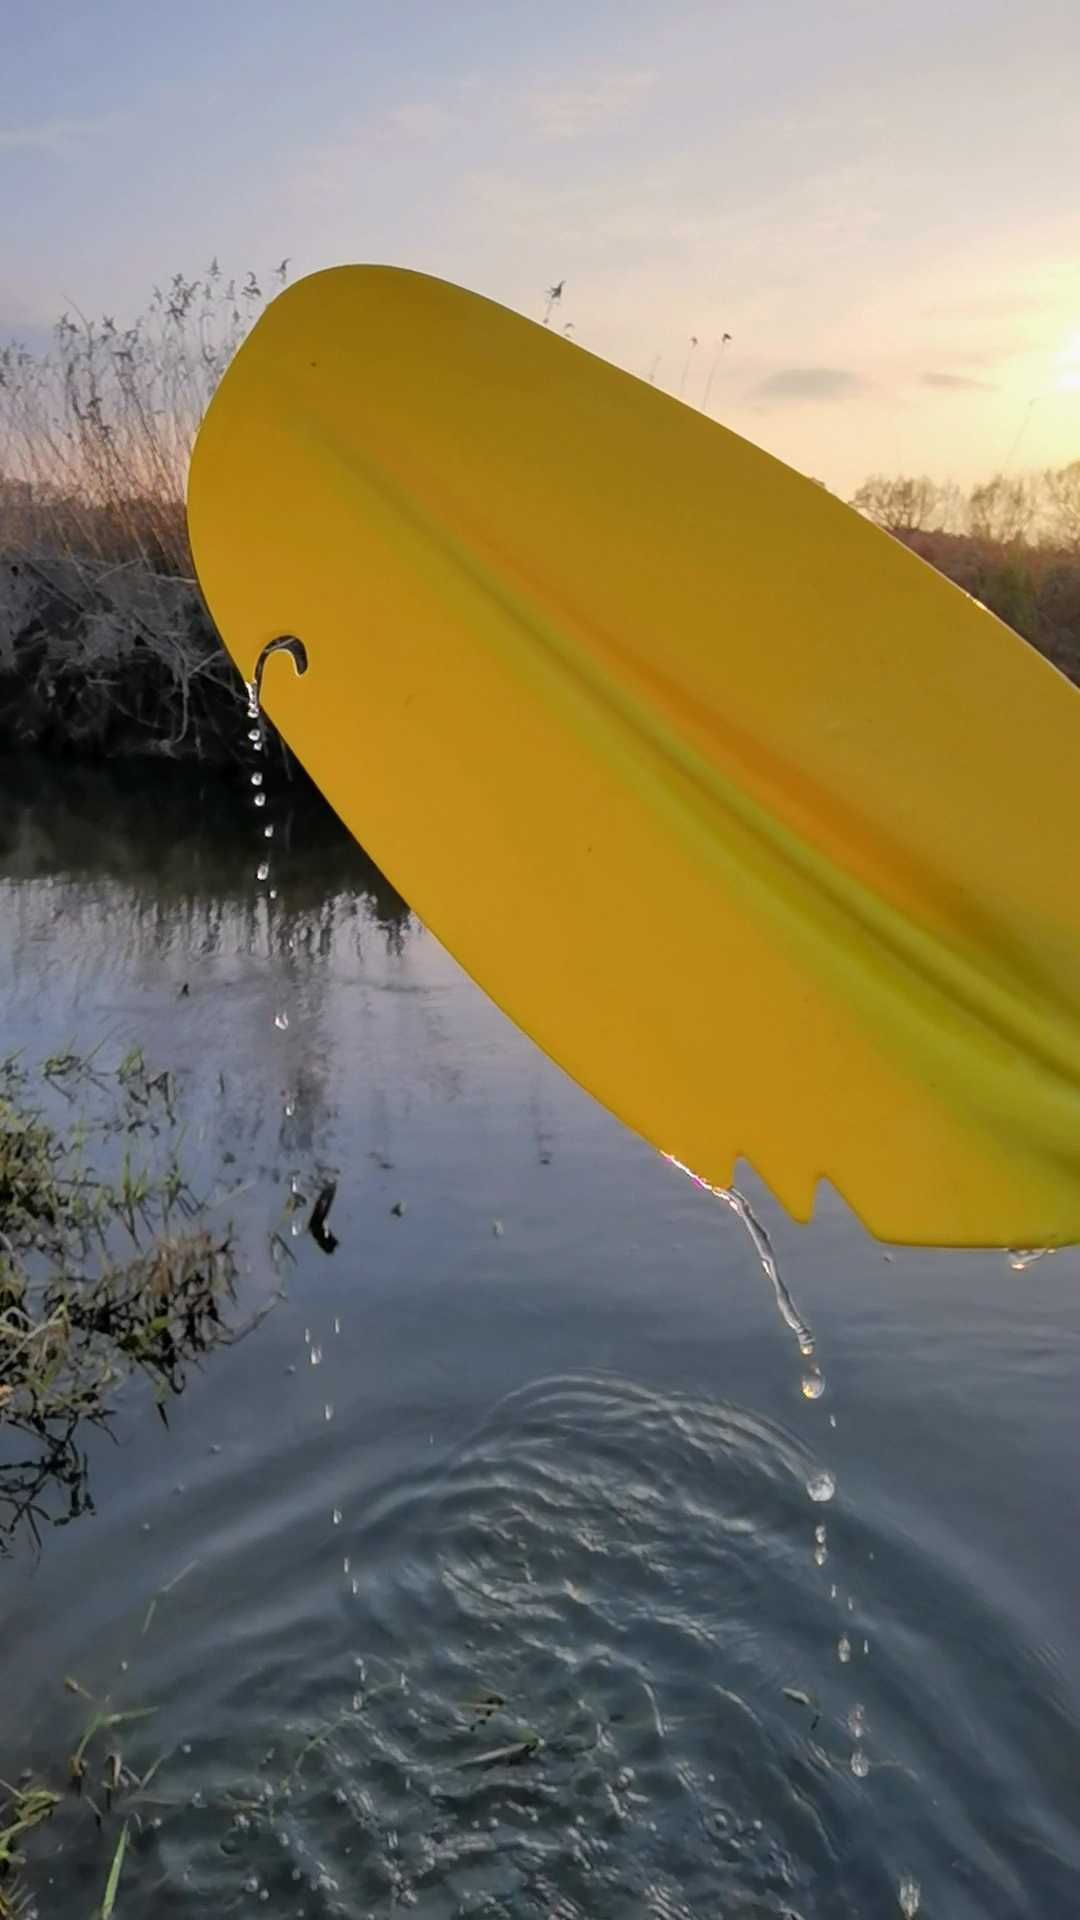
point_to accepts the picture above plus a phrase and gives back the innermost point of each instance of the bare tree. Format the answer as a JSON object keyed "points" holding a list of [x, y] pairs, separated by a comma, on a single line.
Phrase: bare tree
{"points": [[1061, 491], [902, 505], [1002, 510]]}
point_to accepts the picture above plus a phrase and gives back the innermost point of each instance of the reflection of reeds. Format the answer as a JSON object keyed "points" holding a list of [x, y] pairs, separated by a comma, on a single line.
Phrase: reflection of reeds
{"points": [[184, 856]]}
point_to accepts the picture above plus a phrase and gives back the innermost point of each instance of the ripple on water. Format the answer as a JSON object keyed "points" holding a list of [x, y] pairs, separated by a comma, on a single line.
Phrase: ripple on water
{"points": [[586, 1668], [554, 1683]]}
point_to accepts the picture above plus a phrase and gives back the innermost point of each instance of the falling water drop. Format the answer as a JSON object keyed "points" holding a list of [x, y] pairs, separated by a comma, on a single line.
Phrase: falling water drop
{"points": [[328, 1411], [843, 1649], [821, 1550], [316, 1356], [268, 831], [860, 1765], [262, 871], [821, 1486], [1021, 1258], [857, 1721], [281, 1020], [813, 1384], [290, 1109], [256, 779], [910, 1897], [260, 799], [336, 1516]]}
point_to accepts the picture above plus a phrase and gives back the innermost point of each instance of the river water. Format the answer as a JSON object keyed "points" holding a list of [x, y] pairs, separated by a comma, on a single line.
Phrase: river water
{"points": [[521, 1468]]}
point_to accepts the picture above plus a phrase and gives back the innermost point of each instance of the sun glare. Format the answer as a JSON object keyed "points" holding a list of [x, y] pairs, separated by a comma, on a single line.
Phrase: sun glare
{"points": [[1068, 380]]}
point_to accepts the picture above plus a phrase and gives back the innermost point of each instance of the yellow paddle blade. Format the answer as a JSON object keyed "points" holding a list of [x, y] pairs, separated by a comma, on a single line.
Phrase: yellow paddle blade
{"points": [[758, 826]]}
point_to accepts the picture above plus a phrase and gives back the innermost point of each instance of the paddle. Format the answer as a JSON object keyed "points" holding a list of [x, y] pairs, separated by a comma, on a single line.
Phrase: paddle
{"points": [[755, 823]]}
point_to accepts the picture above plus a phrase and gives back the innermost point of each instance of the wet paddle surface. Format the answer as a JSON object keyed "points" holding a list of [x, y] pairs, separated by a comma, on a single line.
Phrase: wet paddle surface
{"points": [[512, 1565]]}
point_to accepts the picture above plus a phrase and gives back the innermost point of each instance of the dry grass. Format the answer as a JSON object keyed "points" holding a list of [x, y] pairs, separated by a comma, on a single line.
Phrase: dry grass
{"points": [[95, 435], [105, 645]]}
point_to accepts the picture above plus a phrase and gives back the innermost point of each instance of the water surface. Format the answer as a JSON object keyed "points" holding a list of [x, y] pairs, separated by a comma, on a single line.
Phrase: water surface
{"points": [[522, 1467]]}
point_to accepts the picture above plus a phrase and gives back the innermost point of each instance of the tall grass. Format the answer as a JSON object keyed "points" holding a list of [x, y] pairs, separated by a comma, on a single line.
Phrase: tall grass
{"points": [[105, 643], [96, 433]]}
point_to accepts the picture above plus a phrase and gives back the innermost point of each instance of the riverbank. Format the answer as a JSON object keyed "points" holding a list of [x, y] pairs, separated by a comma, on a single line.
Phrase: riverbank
{"points": [[105, 658], [106, 647], [117, 658]]}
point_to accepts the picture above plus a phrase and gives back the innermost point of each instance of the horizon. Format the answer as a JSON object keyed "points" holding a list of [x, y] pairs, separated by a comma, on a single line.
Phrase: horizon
{"points": [[879, 212]]}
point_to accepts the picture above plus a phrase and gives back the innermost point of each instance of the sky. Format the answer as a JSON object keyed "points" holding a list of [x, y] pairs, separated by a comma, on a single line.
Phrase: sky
{"points": [[879, 203]]}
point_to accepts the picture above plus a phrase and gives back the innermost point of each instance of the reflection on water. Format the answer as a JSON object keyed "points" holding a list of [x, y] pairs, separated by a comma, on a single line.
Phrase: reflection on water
{"points": [[509, 1569]]}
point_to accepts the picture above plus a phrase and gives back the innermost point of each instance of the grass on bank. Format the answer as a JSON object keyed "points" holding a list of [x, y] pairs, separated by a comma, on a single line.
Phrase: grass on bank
{"points": [[109, 1266]]}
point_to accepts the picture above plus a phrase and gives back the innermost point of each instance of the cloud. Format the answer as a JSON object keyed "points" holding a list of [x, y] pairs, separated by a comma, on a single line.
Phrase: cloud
{"points": [[419, 120], [52, 136], [958, 382], [808, 383], [568, 113]]}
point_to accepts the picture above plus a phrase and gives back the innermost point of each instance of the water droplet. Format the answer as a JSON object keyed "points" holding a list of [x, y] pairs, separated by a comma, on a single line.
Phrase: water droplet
{"points": [[316, 1356], [857, 1721], [820, 1533], [260, 799], [256, 779], [281, 1021], [337, 1324], [272, 894], [328, 1411], [843, 1649], [346, 1564], [262, 871], [821, 1554], [832, 1419], [336, 1518], [1021, 1258], [253, 735], [860, 1765], [268, 832], [821, 1486], [813, 1384], [290, 1109], [910, 1897]]}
